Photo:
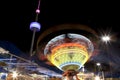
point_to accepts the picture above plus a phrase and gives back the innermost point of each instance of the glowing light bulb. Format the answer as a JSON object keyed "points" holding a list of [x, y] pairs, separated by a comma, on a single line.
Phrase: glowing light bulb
{"points": [[97, 78], [15, 74], [98, 64], [106, 38]]}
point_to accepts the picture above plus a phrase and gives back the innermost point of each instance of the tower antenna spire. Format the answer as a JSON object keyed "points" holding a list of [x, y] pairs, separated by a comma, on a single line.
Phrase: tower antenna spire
{"points": [[35, 27]]}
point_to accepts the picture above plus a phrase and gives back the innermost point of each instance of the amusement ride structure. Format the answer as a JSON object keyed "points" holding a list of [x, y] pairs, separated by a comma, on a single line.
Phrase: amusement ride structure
{"points": [[69, 52]]}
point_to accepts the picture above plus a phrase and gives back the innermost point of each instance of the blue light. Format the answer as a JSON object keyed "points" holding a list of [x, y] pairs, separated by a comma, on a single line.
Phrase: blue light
{"points": [[35, 25]]}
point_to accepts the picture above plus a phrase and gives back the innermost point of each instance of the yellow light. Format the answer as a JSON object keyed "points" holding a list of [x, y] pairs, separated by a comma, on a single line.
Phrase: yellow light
{"points": [[97, 78], [14, 74], [74, 54], [69, 51]]}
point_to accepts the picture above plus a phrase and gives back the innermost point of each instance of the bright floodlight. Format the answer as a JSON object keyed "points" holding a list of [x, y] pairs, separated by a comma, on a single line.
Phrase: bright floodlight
{"points": [[98, 64], [106, 38], [15, 74], [97, 78]]}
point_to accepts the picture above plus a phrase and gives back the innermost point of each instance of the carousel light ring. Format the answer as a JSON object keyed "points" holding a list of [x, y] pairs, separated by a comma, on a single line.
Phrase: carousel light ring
{"points": [[69, 51]]}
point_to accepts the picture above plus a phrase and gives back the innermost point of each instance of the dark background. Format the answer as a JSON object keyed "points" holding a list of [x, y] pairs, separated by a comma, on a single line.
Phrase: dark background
{"points": [[16, 17]]}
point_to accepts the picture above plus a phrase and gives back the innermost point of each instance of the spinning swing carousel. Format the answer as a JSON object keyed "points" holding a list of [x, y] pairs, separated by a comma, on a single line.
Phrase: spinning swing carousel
{"points": [[69, 52]]}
